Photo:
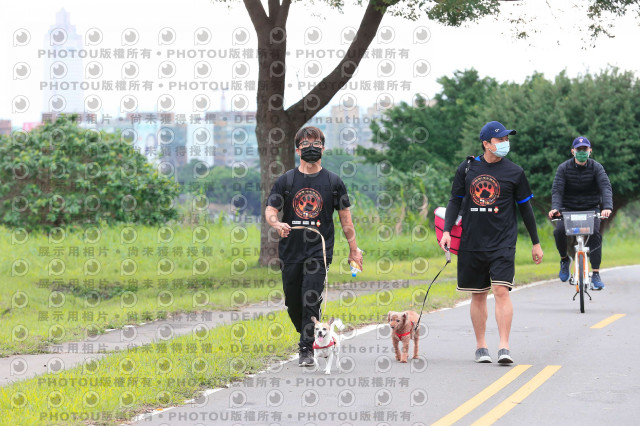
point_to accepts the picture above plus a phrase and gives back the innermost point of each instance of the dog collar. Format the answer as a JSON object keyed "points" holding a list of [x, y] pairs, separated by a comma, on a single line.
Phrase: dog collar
{"points": [[333, 342], [407, 333]]}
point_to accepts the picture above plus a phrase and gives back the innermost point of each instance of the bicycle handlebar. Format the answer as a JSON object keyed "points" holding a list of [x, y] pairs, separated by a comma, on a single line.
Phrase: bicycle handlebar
{"points": [[559, 216]]}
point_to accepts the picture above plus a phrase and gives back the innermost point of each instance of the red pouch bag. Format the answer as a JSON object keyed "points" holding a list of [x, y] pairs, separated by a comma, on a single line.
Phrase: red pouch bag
{"points": [[456, 230]]}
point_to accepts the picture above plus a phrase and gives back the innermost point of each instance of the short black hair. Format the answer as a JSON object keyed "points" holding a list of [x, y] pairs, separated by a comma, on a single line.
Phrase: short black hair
{"points": [[311, 132]]}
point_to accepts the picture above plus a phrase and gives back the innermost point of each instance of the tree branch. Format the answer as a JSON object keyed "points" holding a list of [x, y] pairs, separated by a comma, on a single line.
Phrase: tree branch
{"points": [[322, 93], [274, 8], [284, 14], [272, 61], [258, 16]]}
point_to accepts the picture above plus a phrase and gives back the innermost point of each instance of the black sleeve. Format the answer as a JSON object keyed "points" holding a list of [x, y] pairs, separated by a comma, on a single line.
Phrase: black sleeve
{"points": [[557, 190], [605, 188], [343, 196], [458, 191], [450, 216], [526, 210], [276, 197]]}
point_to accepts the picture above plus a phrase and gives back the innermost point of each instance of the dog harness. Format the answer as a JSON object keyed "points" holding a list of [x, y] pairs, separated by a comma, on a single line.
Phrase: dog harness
{"points": [[333, 342], [407, 333]]}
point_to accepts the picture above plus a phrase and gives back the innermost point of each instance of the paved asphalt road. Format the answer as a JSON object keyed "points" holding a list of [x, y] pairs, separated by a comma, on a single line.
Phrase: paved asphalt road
{"points": [[566, 372]]}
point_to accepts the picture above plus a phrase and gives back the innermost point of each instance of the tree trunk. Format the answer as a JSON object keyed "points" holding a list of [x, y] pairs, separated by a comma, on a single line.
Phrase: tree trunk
{"points": [[275, 126], [275, 159]]}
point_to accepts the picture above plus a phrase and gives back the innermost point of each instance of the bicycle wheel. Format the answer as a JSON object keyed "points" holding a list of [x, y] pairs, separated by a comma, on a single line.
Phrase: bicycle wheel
{"points": [[581, 281]]}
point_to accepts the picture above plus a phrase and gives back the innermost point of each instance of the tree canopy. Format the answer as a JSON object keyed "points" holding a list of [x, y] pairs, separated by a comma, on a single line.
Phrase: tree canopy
{"points": [[427, 138], [548, 115], [407, 134]]}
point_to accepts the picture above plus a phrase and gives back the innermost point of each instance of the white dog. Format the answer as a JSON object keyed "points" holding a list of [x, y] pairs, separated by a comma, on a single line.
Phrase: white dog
{"points": [[326, 345]]}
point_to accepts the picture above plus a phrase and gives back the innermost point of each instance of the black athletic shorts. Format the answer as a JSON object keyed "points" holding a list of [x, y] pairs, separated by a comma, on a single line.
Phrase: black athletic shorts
{"points": [[478, 270]]}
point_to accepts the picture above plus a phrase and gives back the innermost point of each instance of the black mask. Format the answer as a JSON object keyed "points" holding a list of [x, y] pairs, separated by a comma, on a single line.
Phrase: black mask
{"points": [[311, 154]]}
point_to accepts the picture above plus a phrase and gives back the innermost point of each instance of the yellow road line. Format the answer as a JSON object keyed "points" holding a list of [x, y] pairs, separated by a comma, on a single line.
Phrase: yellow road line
{"points": [[605, 322], [482, 396], [517, 397]]}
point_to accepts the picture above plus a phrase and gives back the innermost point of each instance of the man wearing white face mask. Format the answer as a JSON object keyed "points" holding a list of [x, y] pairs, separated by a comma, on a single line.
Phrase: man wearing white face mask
{"points": [[486, 196]]}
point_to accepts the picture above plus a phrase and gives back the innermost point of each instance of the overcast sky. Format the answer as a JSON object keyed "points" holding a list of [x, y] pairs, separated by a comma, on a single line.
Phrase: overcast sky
{"points": [[558, 41]]}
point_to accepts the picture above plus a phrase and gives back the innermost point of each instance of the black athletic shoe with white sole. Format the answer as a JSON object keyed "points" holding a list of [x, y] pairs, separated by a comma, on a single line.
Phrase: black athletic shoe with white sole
{"points": [[306, 358]]}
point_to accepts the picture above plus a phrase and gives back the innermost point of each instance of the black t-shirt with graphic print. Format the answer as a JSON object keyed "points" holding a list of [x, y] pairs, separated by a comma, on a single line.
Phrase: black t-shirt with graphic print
{"points": [[489, 209], [310, 203]]}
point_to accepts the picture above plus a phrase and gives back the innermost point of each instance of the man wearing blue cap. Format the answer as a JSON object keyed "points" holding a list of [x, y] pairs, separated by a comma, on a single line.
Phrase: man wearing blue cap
{"points": [[486, 190], [581, 184]]}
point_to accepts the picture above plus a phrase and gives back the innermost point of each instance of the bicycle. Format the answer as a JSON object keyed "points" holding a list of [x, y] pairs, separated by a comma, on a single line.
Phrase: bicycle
{"points": [[577, 225]]}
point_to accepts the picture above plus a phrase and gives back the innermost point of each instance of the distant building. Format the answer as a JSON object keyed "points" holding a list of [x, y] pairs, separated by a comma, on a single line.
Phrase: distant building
{"points": [[155, 135], [234, 135], [346, 128], [200, 143], [53, 62], [373, 113], [5, 127], [341, 130], [30, 126], [223, 138]]}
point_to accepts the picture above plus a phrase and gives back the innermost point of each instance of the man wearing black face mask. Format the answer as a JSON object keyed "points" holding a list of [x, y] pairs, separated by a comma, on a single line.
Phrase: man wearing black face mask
{"points": [[308, 196]]}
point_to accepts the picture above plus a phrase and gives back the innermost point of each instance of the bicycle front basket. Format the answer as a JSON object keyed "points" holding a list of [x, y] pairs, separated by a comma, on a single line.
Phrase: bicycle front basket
{"points": [[578, 223]]}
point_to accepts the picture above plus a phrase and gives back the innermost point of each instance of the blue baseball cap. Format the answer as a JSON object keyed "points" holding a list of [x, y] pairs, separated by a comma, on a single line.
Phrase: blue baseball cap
{"points": [[494, 129], [581, 141]]}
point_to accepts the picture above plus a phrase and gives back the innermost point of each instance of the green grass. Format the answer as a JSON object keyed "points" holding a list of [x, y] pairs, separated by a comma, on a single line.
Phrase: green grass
{"points": [[40, 306], [90, 307]]}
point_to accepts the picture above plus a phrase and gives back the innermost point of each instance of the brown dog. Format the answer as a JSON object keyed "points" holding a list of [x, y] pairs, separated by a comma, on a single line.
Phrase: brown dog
{"points": [[402, 330]]}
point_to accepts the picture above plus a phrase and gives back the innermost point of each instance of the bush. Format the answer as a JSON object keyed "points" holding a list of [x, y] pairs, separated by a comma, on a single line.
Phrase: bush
{"points": [[60, 174], [223, 185]]}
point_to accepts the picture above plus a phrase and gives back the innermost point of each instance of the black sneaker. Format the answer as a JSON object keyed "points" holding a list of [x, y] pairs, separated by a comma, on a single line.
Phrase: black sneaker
{"points": [[564, 269], [306, 358], [482, 355], [504, 357]]}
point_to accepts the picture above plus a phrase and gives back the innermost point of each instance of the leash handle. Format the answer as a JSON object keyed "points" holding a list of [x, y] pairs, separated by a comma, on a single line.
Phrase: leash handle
{"points": [[324, 258]]}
